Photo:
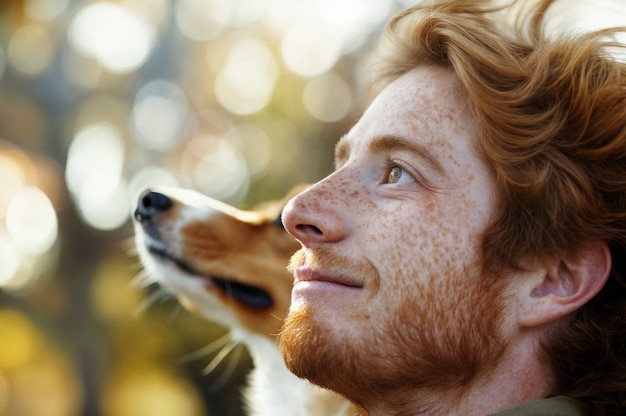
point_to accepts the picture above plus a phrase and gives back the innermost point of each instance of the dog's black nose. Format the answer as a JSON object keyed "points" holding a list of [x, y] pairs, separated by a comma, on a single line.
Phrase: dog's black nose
{"points": [[151, 203]]}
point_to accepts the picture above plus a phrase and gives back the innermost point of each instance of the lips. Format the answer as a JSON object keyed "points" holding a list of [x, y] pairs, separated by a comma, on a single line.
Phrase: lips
{"points": [[306, 274], [248, 295]]}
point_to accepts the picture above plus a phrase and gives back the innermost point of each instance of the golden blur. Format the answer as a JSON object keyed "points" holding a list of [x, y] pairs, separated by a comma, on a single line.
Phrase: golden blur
{"points": [[33, 363], [99, 99]]}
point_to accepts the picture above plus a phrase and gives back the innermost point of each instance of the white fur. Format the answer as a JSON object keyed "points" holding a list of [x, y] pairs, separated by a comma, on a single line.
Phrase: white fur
{"points": [[275, 391]]}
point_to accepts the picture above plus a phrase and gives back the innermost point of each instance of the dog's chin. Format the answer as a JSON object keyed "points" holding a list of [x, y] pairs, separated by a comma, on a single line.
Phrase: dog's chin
{"points": [[247, 295]]}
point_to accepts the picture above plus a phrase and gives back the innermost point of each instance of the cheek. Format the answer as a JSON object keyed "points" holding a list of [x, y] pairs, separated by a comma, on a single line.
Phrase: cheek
{"points": [[424, 242]]}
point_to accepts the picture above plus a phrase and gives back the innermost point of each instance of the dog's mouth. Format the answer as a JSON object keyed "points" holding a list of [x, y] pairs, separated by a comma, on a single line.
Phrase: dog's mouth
{"points": [[248, 295]]}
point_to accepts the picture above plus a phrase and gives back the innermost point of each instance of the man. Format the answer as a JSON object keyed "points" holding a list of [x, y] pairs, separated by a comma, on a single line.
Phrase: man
{"points": [[467, 255]]}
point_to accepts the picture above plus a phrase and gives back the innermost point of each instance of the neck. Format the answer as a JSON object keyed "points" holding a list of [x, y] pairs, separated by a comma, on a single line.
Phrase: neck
{"points": [[275, 391], [519, 377]]}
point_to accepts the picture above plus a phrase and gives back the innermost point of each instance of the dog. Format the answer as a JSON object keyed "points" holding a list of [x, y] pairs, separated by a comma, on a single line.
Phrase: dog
{"points": [[229, 266]]}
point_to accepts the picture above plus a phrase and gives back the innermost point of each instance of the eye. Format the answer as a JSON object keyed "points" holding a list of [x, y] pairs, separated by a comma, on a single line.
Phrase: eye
{"points": [[396, 174]]}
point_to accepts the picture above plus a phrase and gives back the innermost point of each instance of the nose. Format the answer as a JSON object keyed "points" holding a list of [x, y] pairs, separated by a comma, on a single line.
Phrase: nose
{"points": [[313, 217], [151, 203]]}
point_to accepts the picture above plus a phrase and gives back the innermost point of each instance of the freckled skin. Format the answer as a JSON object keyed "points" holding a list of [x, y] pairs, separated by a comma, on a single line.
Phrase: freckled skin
{"points": [[413, 249]]}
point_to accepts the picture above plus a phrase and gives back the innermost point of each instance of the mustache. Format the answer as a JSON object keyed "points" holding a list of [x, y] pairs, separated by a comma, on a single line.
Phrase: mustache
{"points": [[325, 259]]}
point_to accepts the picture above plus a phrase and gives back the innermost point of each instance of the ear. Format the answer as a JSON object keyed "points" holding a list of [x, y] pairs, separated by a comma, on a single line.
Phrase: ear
{"points": [[565, 284]]}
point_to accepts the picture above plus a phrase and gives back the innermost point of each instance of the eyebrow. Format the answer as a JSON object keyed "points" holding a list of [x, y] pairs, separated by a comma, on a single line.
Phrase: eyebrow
{"points": [[387, 143], [342, 150]]}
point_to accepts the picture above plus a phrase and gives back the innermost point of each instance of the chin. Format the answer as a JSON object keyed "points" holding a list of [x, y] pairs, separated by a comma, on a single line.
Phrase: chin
{"points": [[304, 343]]}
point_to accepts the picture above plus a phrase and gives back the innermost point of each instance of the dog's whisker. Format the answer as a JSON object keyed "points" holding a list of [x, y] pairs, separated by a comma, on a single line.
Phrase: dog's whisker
{"points": [[136, 266], [142, 280], [175, 313], [204, 351], [220, 356], [229, 370], [150, 300]]}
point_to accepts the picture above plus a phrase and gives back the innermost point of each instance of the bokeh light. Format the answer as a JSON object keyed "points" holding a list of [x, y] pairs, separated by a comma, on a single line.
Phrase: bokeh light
{"points": [[12, 181], [196, 21], [10, 260], [38, 377], [30, 50], [29, 198], [159, 115], [45, 9], [150, 390], [31, 221], [119, 38], [94, 176], [328, 97], [245, 84], [308, 55], [217, 168], [81, 71]]}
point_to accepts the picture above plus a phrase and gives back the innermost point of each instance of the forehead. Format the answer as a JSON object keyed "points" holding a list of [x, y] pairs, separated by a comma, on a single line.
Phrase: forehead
{"points": [[425, 105]]}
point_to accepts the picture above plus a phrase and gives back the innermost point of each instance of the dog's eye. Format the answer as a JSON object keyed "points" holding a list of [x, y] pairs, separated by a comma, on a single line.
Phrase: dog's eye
{"points": [[278, 222]]}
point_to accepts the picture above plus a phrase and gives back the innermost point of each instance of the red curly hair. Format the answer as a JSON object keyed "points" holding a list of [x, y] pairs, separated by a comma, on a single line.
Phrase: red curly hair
{"points": [[552, 116]]}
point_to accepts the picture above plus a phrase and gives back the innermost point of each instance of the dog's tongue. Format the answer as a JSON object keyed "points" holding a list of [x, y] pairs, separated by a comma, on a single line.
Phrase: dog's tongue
{"points": [[251, 296]]}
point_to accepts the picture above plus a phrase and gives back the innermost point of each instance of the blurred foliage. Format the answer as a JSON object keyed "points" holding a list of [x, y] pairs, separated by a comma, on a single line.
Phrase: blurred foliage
{"points": [[99, 99]]}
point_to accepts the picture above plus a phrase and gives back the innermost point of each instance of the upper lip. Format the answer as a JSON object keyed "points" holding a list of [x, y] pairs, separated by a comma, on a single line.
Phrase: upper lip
{"points": [[307, 274]]}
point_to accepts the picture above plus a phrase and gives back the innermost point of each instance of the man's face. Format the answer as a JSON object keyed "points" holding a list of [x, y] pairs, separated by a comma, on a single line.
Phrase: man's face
{"points": [[388, 290]]}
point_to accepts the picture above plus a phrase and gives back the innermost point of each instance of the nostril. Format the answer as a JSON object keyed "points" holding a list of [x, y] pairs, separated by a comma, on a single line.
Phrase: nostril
{"points": [[309, 229], [156, 201], [150, 203]]}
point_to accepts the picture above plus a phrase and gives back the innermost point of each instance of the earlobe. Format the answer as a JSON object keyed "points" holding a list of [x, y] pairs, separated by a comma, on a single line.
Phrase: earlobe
{"points": [[566, 284]]}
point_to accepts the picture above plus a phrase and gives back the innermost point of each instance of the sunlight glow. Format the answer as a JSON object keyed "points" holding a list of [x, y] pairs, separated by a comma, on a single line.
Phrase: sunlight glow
{"points": [[12, 181], [245, 84], [117, 37], [361, 14], [132, 391], [195, 20], [237, 13], [159, 115], [94, 176], [218, 169], [10, 260], [45, 9], [105, 211], [588, 16], [30, 50], [312, 48], [32, 222], [328, 98], [203, 20]]}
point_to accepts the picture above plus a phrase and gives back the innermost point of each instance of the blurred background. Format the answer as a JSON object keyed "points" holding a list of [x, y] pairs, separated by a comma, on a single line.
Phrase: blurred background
{"points": [[238, 99]]}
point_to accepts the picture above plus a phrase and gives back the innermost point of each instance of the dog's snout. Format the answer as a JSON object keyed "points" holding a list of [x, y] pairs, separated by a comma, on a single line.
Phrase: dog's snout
{"points": [[151, 203]]}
